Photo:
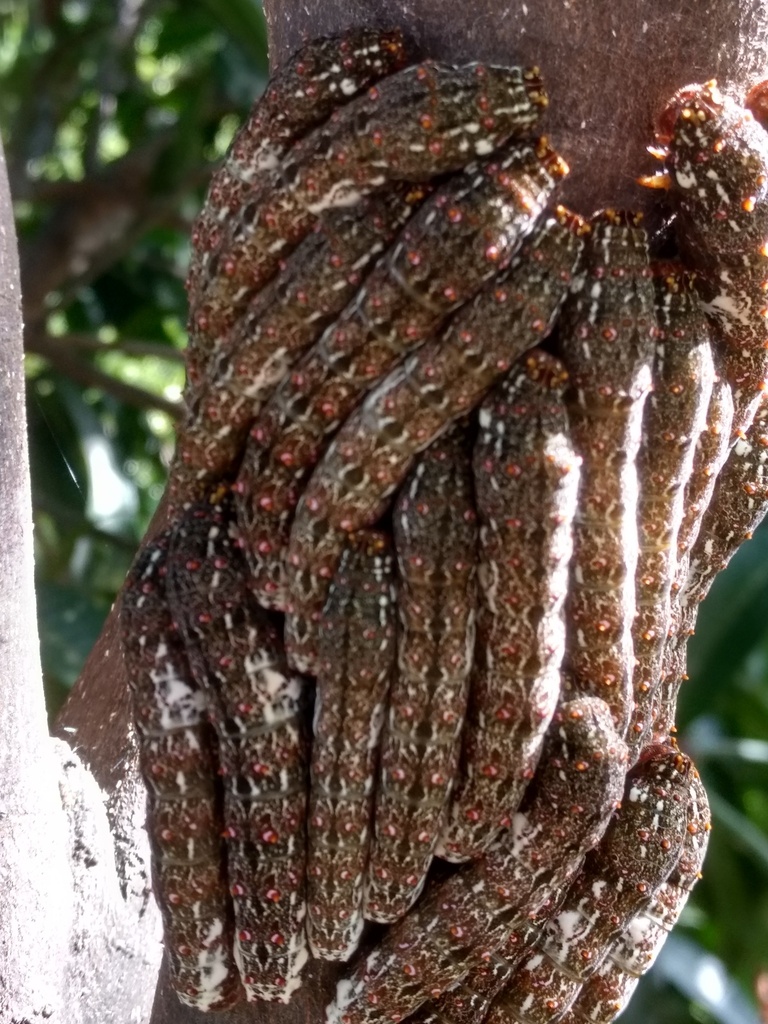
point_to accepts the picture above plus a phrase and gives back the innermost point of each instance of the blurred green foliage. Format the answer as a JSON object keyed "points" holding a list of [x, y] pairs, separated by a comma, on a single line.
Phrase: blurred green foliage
{"points": [[103, 107], [115, 114]]}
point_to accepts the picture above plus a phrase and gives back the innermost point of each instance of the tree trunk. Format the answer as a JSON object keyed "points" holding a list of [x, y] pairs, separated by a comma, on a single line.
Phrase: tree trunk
{"points": [[65, 921], [78, 941]]}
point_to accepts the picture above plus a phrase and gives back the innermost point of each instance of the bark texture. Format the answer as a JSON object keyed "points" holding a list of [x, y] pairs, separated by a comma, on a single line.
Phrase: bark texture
{"points": [[608, 65], [72, 923], [32, 950]]}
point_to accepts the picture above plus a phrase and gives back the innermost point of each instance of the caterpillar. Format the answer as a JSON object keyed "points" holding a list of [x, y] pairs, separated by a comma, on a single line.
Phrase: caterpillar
{"points": [[355, 667], [179, 768], [303, 92], [738, 506], [457, 240], [468, 1000], [618, 881], [577, 787], [606, 340], [608, 991], [683, 377], [446, 377], [282, 321], [417, 123], [709, 455], [435, 533], [256, 706], [716, 170], [526, 479]]}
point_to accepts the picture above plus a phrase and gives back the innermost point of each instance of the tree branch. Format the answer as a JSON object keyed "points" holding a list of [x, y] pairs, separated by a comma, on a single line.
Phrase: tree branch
{"points": [[60, 356], [78, 939], [128, 346]]}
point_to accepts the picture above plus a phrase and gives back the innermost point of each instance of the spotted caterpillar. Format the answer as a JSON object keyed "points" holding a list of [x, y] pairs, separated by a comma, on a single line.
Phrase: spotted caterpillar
{"points": [[179, 767], [355, 667], [443, 379], [526, 479], [716, 160], [618, 881], [683, 377], [608, 991], [458, 239], [738, 506], [305, 90], [417, 123], [256, 707], [282, 321], [579, 782], [435, 531], [606, 339], [710, 454]]}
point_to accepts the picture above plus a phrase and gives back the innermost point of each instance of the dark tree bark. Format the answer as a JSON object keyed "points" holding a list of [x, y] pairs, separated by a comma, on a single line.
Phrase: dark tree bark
{"points": [[608, 65], [74, 922]]}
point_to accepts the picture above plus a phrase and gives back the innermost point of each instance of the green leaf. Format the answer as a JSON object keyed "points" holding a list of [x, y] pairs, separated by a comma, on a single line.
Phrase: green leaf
{"points": [[243, 21]]}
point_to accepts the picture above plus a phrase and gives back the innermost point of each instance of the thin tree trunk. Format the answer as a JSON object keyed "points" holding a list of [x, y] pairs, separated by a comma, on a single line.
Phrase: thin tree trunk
{"points": [[608, 66], [32, 826], [71, 936]]}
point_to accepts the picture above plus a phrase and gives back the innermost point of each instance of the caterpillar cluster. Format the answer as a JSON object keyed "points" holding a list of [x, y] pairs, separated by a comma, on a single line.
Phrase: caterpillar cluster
{"points": [[457, 468]]}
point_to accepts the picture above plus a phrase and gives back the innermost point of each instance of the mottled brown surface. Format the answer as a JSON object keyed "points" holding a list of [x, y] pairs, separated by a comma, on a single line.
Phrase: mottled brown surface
{"points": [[298, 98], [435, 531], [457, 924], [606, 77], [718, 167], [619, 880], [673, 419], [526, 477], [357, 659], [609, 990], [453, 245], [177, 757], [606, 342]]}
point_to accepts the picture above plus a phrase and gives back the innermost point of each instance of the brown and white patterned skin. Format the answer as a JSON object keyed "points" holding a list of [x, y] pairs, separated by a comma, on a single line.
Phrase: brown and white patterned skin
{"points": [[423, 121], [618, 881], [709, 456], [606, 994], [675, 416], [458, 239], [435, 532], [457, 923], [474, 224], [179, 768], [739, 504], [442, 380], [446, 377], [469, 1000], [526, 480], [282, 321], [256, 707], [607, 333], [711, 451], [716, 157], [321, 76], [737, 508], [356, 662]]}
